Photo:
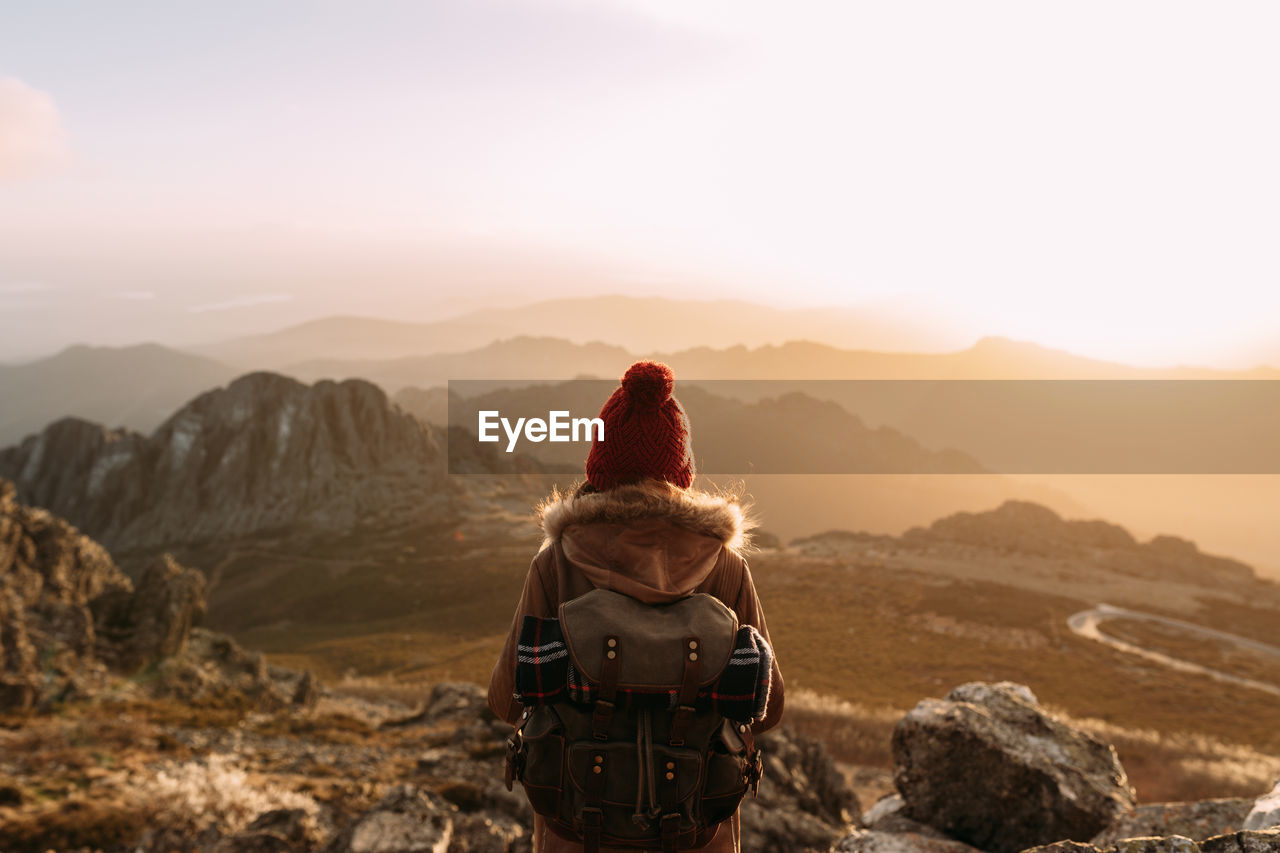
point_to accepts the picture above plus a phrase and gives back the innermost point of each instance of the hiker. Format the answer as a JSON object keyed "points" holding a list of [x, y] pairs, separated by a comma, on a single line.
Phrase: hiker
{"points": [[637, 527]]}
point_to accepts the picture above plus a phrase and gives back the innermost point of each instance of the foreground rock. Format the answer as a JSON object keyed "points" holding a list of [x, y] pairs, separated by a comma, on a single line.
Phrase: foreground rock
{"points": [[1194, 820], [988, 767], [406, 820], [871, 841], [889, 815], [70, 620], [804, 803], [1265, 813], [1248, 841]]}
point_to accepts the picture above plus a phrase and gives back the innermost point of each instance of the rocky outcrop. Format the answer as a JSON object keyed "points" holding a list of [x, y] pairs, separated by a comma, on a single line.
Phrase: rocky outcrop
{"points": [[69, 618], [804, 804], [264, 453], [156, 620], [873, 841], [406, 820], [1254, 841], [1265, 812], [889, 815], [988, 767], [1193, 820], [1246, 841], [1029, 528]]}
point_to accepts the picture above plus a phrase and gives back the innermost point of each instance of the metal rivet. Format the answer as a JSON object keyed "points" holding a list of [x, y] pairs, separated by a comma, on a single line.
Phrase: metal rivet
{"points": [[693, 644], [742, 728], [599, 759], [612, 642], [671, 765], [597, 769], [612, 654], [671, 776], [693, 655]]}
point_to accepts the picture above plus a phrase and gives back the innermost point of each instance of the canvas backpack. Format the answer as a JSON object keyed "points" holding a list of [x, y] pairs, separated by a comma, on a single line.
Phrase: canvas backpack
{"points": [[624, 742]]}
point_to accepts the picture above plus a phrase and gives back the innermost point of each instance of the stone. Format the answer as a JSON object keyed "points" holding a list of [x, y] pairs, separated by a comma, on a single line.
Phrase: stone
{"points": [[804, 802], [988, 767], [1167, 844], [306, 694], [887, 816], [871, 841], [1064, 847], [1245, 841], [168, 602], [406, 820], [1265, 811], [1200, 819]]}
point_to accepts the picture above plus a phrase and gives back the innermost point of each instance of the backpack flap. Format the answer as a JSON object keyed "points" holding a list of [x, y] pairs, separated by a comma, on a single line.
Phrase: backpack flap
{"points": [[652, 642]]}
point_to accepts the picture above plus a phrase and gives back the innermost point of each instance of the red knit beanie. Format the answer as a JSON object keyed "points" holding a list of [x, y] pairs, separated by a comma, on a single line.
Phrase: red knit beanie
{"points": [[646, 432]]}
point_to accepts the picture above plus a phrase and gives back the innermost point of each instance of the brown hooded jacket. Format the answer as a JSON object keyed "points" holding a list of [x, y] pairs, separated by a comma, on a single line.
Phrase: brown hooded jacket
{"points": [[654, 542]]}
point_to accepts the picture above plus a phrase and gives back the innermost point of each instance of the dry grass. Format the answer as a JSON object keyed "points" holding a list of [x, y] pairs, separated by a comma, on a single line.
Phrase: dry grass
{"points": [[73, 824], [324, 727]]}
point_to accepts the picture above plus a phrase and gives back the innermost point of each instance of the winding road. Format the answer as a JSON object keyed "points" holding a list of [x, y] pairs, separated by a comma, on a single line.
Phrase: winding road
{"points": [[1085, 623]]}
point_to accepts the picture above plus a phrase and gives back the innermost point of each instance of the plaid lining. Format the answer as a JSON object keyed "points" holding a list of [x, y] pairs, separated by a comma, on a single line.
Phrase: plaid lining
{"points": [[544, 674]]}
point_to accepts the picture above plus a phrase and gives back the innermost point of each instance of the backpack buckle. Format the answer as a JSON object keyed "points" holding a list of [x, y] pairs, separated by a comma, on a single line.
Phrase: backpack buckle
{"points": [[601, 718], [680, 724], [515, 760], [754, 772]]}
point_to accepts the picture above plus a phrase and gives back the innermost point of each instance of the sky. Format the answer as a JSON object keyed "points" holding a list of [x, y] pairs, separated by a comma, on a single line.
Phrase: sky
{"points": [[1095, 176]]}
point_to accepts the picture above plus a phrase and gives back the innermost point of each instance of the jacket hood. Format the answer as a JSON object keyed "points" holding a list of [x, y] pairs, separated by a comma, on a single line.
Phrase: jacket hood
{"points": [[650, 540]]}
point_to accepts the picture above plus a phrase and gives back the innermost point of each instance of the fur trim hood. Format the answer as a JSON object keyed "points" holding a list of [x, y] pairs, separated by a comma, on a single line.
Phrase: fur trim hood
{"points": [[721, 516]]}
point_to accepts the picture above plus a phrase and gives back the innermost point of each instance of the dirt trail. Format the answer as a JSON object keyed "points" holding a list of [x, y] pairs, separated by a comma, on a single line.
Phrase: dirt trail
{"points": [[1085, 623]]}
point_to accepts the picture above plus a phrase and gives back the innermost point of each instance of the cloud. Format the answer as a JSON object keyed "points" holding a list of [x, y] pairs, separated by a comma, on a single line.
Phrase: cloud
{"points": [[241, 302], [32, 140], [134, 294]]}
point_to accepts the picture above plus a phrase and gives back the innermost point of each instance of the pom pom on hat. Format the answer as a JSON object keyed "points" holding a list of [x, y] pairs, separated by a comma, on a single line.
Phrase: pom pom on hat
{"points": [[646, 432], [649, 383]]}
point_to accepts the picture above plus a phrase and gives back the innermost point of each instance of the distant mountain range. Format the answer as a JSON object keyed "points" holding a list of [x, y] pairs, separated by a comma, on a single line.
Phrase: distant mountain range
{"points": [[135, 387], [637, 324]]}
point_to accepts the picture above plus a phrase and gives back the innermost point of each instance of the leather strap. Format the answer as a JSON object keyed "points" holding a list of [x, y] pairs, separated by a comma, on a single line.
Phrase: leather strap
{"points": [[593, 796], [754, 770], [602, 717], [688, 691], [669, 799]]}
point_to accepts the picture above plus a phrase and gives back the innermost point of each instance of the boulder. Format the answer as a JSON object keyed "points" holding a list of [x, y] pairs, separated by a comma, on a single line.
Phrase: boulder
{"points": [[988, 767], [1265, 812], [887, 816], [167, 603], [307, 693], [406, 820], [871, 841], [804, 802], [1064, 847], [1245, 841], [275, 831], [1197, 820], [1166, 844]]}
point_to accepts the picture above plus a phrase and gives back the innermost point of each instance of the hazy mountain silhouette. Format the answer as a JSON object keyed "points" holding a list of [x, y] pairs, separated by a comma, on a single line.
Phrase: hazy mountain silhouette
{"points": [[135, 387], [639, 324]]}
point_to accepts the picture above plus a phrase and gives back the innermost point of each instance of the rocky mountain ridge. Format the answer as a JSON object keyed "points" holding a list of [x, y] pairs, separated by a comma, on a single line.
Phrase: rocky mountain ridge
{"points": [[1026, 528], [264, 453]]}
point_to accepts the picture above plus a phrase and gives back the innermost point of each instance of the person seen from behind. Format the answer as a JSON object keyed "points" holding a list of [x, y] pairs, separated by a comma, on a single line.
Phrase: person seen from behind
{"points": [[637, 526]]}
